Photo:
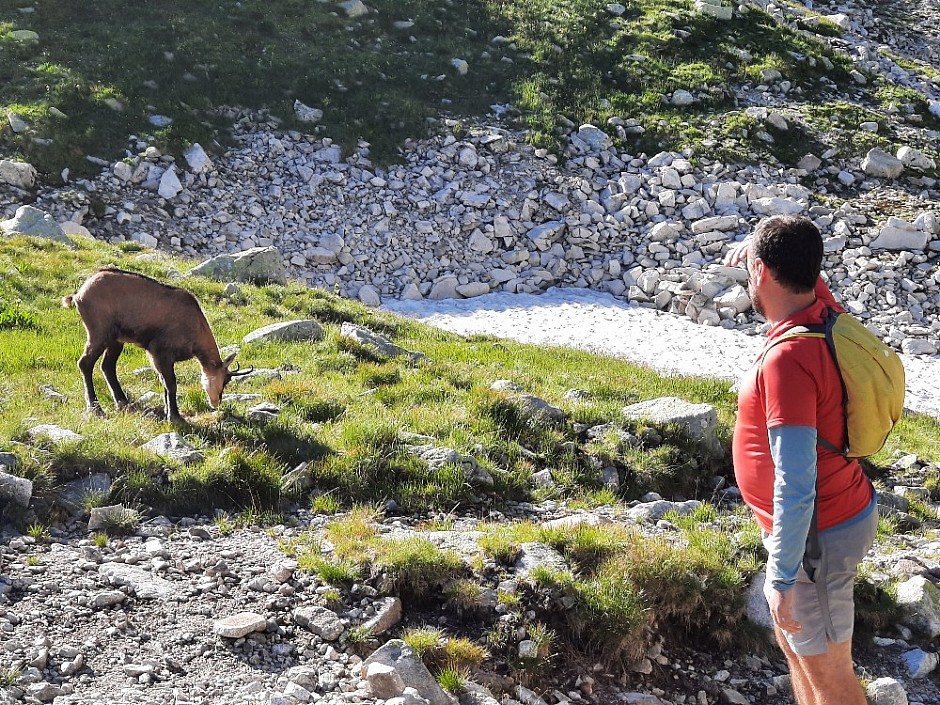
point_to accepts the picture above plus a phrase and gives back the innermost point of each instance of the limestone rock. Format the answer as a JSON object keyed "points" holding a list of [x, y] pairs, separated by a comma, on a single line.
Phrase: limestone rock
{"points": [[399, 656], [260, 265], [699, 420], [31, 221], [239, 625], [19, 174], [880, 164], [919, 600], [286, 331]]}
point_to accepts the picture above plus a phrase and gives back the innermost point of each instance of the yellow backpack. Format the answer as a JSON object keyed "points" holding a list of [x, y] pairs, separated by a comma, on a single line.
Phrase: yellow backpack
{"points": [[872, 381]]}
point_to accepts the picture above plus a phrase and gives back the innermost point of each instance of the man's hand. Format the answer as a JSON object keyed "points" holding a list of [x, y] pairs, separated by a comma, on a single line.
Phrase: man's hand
{"points": [[738, 253], [781, 609]]}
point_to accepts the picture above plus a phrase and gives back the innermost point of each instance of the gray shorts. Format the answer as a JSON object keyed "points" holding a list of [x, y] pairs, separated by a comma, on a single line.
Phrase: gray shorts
{"points": [[826, 608]]}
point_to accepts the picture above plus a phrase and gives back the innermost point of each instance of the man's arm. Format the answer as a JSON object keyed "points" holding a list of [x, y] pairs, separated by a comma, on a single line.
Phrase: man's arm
{"points": [[794, 452]]}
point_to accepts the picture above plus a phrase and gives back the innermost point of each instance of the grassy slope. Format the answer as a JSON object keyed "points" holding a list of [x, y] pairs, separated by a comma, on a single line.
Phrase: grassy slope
{"points": [[382, 84], [343, 404]]}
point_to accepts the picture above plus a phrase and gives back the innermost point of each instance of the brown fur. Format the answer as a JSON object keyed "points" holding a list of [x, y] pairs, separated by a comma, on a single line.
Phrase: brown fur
{"points": [[119, 307]]}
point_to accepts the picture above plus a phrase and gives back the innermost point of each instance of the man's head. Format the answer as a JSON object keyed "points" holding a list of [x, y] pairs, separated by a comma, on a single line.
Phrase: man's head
{"points": [[791, 247]]}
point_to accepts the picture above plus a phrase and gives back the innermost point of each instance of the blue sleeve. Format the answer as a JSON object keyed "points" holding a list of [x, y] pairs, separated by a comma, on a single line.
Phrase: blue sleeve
{"points": [[794, 452]]}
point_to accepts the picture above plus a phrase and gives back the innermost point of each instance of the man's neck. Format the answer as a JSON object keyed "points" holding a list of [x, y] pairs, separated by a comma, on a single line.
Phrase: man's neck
{"points": [[786, 306]]}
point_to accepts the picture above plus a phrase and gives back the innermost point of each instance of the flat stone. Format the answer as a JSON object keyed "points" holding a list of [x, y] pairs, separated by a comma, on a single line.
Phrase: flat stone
{"points": [[239, 625]]}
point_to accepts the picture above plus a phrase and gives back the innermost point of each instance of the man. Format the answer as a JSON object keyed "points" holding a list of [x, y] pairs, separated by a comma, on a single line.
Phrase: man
{"points": [[791, 398]]}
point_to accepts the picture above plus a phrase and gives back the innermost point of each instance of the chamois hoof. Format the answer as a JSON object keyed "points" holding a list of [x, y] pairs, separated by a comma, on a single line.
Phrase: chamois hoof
{"points": [[95, 410]]}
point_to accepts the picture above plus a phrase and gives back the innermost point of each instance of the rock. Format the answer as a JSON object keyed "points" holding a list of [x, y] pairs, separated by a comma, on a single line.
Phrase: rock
{"points": [[197, 159], [173, 446], [880, 164], [533, 555], [144, 584], [919, 600], [286, 331], [321, 621], [388, 614], [920, 663], [170, 185], [699, 420], [18, 490], [354, 8], [682, 97], [473, 289], [55, 434], [913, 158], [399, 656], [384, 681], [307, 114], [899, 235], [364, 336], [461, 66], [19, 174], [239, 625], [886, 691], [259, 265], [31, 221]]}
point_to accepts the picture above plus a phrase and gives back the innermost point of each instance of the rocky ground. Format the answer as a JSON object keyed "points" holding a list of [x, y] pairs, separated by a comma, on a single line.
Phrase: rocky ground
{"points": [[467, 213]]}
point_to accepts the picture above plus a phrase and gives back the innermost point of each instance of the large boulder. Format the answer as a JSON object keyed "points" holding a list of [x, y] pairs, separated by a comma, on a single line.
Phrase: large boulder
{"points": [[286, 331], [31, 221], [881, 164], [919, 600], [261, 265], [399, 656], [700, 421]]}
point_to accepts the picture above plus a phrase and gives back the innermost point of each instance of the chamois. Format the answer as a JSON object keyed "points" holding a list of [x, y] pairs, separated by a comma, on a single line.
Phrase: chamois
{"points": [[119, 307]]}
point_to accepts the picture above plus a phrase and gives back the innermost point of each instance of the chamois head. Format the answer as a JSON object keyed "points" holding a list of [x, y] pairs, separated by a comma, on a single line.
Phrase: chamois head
{"points": [[215, 379]]}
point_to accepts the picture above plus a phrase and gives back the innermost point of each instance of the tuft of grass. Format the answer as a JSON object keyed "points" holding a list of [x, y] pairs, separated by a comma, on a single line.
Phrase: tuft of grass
{"points": [[424, 641], [415, 568], [9, 676], [121, 523], [453, 679], [324, 504], [224, 524], [38, 531], [100, 539]]}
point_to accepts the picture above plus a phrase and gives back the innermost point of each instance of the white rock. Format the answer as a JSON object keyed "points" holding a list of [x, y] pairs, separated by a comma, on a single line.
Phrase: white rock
{"points": [[370, 296], [682, 97], [915, 159], [197, 159], [880, 164], [307, 114], [472, 289], [886, 691], [239, 625], [170, 185], [462, 66], [19, 174], [774, 205], [354, 8]]}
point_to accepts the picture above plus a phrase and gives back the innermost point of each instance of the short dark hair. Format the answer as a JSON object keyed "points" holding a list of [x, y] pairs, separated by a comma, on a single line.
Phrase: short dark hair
{"points": [[791, 246]]}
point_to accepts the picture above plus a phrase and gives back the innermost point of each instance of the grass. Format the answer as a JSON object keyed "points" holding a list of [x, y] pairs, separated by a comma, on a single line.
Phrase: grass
{"points": [[89, 83]]}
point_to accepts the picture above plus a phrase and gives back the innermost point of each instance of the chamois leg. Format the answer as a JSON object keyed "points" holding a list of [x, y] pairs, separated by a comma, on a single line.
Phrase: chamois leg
{"points": [[86, 364], [109, 368], [168, 377]]}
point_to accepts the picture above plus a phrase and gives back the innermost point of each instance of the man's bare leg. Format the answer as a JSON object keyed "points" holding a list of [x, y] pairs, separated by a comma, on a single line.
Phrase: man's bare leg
{"points": [[799, 679], [825, 679]]}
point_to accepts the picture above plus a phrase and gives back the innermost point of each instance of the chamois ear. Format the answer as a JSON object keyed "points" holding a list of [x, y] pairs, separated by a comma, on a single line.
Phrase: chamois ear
{"points": [[228, 360]]}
